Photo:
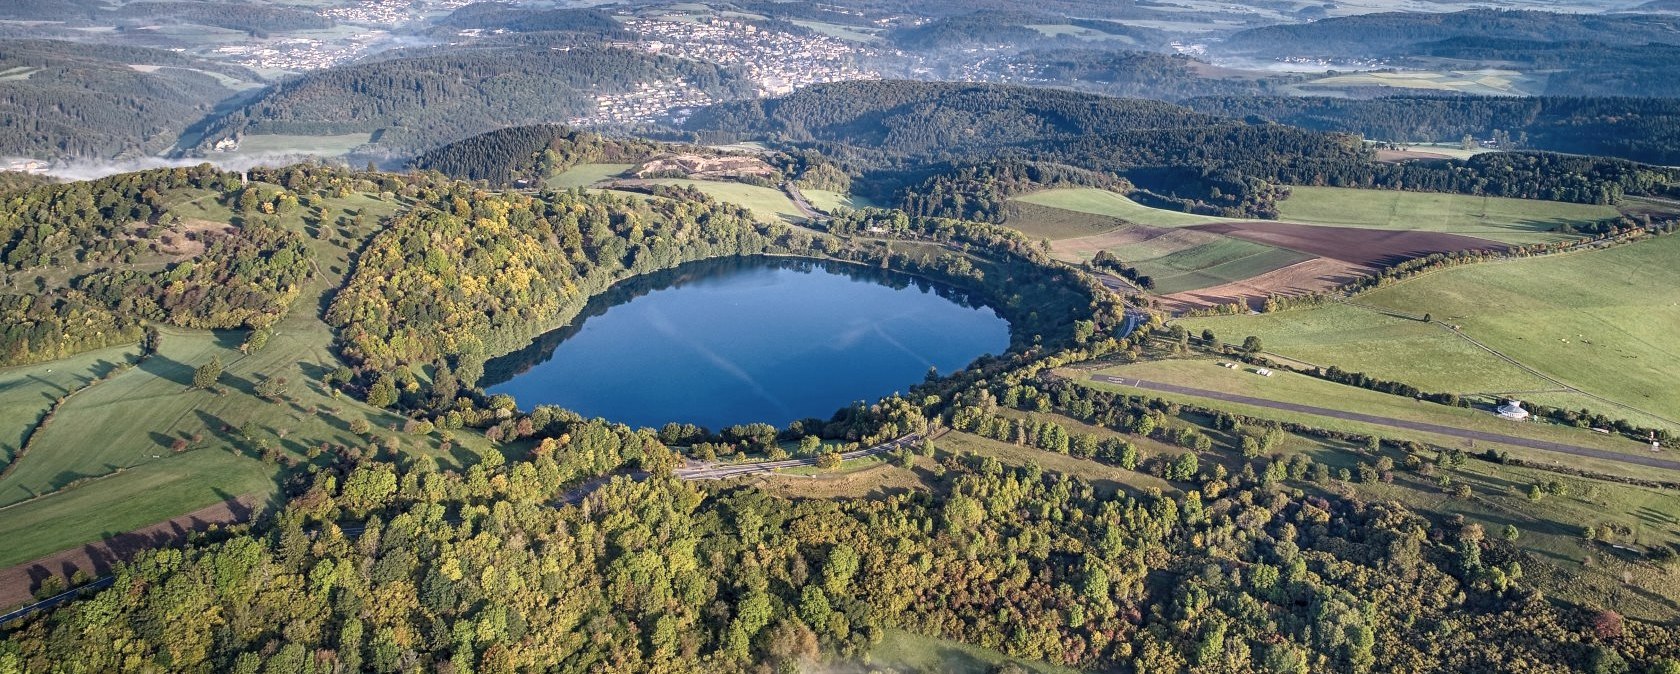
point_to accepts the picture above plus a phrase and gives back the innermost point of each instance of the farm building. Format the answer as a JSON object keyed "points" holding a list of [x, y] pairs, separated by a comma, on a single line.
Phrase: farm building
{"points": [[1514, 411]]}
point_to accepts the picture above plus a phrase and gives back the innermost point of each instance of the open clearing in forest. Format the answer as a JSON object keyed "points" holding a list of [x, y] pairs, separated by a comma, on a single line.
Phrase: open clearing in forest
{"points": [[1601, 321], [280, 144], [766, 203], [585, 175], [827, 201], [1113, 204], [1516, 221], [1477, 82], [915, 653]]}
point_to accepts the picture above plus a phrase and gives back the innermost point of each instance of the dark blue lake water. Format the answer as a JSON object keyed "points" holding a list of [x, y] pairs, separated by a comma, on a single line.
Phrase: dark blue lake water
{"points": [[744, 340]]}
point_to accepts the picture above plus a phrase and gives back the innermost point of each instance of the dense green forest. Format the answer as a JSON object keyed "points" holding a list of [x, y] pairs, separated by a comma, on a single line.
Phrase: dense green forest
{"points": [[909, 141], [500, 16], [418, 100], [82, 100], [1138, 74], [258, 19], [528, 153], [386, 565], [109, 236], [1400, 33], [1641, 129]]}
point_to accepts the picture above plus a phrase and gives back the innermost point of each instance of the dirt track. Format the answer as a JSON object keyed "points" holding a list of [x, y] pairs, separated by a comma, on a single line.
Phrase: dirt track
{"points": [[1368, 247]]}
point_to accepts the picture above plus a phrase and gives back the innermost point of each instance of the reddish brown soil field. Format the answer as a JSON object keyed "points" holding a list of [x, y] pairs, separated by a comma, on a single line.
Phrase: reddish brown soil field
{"points": [[97, 559], [1367, 247], [1301, 278], [1408, 155]]}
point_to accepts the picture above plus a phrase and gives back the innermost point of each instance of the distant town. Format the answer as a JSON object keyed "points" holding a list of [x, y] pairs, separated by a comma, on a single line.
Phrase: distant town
{"points": [[777, 62]]}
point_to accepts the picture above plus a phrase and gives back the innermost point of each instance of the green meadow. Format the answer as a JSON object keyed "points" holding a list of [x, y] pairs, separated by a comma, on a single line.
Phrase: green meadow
{"points": [[1114, 205], [1601, 321], [1516, 221]]}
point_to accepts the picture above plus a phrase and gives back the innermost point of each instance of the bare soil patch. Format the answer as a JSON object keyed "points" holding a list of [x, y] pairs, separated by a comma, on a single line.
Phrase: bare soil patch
{"points": [[1366, 247], [700, 166], [18, 583], [1315, 275], [1408, 155]]}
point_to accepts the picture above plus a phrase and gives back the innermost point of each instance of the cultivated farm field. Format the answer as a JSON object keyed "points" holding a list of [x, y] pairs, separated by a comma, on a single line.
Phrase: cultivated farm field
{"points": [[1054, 224]]}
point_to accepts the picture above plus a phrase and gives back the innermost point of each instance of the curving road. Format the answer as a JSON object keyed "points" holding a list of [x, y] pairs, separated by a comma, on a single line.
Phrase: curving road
{"points": [[1561, 448]]}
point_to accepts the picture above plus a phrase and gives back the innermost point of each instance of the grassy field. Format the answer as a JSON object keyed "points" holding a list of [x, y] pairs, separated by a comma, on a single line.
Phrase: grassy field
{"points": [[1044, 222], [1499, 219], [147, 494], [1600, 321], [1364, 340], [1478, 82], [1104, 202], [325, 146], [1205, 374], [28, 391], [584, 175], [105, 465], [904, 651], [767, 203], [838, 31], [827, 201]]}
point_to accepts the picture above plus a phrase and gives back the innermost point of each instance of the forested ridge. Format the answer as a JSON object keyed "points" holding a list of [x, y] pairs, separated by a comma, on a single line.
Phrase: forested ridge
{"points": [[1141, 74], [529, 153], [1397, 33], [417, 101], [1639, 129], [89, 101], [911, 141]]}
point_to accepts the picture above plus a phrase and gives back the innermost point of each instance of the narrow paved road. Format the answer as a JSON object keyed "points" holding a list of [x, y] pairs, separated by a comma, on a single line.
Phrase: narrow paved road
{"points": [[1558, 447], [799, 201]]}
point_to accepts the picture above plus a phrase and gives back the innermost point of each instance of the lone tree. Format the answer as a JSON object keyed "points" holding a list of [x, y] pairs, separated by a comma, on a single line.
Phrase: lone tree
{"points": [[206, 375], [1251, 344]]}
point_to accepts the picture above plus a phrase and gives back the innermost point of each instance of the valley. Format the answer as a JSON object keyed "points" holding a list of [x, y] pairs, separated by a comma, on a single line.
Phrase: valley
{"points": [[854, 336]]}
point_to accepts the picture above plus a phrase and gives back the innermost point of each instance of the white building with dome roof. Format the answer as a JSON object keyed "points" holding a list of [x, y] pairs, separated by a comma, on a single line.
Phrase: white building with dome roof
{"points": [[1513, 410]]}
